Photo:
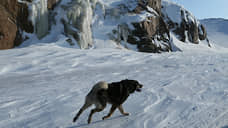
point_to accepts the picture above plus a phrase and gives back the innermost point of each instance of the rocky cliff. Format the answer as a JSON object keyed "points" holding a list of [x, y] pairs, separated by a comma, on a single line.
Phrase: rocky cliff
{"points": [[141, 25], [15, 21], [182, 23]]}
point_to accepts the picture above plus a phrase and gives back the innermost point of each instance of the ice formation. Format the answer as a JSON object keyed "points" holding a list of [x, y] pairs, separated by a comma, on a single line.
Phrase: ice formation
{"points": [[80, 15], [39, 17]]}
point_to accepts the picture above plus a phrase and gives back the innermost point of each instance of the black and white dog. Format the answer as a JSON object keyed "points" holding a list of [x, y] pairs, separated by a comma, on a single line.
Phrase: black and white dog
{"points": [[113, 93]]}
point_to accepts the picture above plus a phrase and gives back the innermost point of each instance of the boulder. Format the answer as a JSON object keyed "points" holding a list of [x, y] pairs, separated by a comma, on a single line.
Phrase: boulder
{"points": [[181, 22], [150, 35], [8, 29], [14, 20], [202, 32], [51, 4]]}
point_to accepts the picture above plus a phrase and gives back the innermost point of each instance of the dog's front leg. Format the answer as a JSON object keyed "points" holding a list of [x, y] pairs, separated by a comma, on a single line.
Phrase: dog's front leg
{"points": [[113, 108], [122, 110]]}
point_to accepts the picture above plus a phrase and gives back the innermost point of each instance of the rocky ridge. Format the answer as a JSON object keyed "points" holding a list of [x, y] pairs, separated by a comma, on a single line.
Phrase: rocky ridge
{"points": [[148, 29]]}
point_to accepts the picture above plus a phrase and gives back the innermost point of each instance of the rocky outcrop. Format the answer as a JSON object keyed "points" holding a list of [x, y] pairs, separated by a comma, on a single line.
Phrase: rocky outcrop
{"points": [[183, 23], [142, 25], [51, 4], [202, 32], [12, 22], [151, 34], [8, 30], [15, 20]]}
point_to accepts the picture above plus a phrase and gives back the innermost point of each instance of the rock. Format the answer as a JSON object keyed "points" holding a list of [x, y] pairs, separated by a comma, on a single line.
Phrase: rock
{"points": [[14, 20], [150, 35], [183, 24], [148, 27], [8, 29], [51, 4], [202, 32]]}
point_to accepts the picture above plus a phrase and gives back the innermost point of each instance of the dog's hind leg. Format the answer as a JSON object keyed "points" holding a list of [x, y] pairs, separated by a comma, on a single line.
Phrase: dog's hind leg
{"points": [[122, 110], [84, 107], [113, 108], [97, 109]]}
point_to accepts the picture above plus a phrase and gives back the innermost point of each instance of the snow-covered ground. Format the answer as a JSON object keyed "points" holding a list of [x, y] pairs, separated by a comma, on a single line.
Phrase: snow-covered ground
{"points": [[44, 85]]}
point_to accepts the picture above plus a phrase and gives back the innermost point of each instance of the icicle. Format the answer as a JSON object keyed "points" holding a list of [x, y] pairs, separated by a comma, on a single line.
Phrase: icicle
{"points": [[39, 17], [80, 16], [123, 31]]}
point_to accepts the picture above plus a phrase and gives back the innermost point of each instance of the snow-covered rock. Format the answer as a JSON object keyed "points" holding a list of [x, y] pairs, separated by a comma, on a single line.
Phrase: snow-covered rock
{"points": [[140, 25], [183, 23]]}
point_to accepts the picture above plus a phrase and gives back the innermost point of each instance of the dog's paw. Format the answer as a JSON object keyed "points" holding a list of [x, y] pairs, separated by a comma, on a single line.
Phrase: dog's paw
{"points": [[105, 117], [74, 119], [126, 114], [89, 121]]}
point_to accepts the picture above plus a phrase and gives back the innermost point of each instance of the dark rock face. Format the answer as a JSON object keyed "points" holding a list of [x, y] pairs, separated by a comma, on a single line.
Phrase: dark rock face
{"points": [[150, 35], [188, 28], [52, 3], [155, 4], [13, 20], [202, 32], [147, 34], [8, 30]]}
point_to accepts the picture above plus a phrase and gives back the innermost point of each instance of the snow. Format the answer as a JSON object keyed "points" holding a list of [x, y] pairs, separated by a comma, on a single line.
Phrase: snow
{"points": [[217, 30], [173, 11], [93, 21], [43, 82], [45, 85]]}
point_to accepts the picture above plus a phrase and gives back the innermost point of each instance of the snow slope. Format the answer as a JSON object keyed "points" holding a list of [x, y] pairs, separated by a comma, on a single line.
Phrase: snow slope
{"points": [[44, 82], [43, 86], [217, 30]]}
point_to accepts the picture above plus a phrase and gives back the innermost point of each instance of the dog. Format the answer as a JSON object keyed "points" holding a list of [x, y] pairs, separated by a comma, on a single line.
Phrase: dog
{"points": [[115, 93]]}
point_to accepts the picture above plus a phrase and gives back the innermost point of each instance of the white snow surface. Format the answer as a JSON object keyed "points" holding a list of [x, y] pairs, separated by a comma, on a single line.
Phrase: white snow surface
{"points": [[44, 82], [44, 85]]}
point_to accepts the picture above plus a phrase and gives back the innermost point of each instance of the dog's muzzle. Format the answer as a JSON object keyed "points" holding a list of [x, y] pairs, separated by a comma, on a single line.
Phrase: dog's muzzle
{"points": [[139, 87]]}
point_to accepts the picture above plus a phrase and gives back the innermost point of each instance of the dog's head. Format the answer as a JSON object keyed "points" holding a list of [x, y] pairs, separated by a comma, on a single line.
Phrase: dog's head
{"points": [[132, 85]]}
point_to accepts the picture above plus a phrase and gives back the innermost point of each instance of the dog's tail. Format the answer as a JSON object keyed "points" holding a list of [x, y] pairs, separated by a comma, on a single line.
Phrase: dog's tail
{"points": [[100, 86]]}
